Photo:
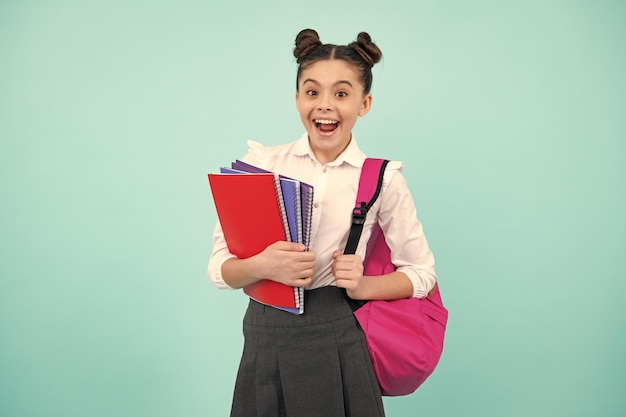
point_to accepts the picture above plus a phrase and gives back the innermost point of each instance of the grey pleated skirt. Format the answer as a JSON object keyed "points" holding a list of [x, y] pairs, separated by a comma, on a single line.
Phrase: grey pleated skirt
{"points": [[313, 365]]}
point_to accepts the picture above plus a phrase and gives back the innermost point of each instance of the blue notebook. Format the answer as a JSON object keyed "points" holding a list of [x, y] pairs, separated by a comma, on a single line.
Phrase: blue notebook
{"points": [[291, 198]]}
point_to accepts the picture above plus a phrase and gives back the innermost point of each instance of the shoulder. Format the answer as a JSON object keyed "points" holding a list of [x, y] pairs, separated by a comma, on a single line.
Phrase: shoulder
{"points": [[393, 170], [265, 156], [260, 151], [393, 182], [394, 187]]}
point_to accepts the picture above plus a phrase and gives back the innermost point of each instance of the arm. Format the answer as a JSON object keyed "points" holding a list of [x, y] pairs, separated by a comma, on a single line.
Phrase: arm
{"points": [[285, 262], [348, 270], [282, 261], [415, 275], [404, 233]]}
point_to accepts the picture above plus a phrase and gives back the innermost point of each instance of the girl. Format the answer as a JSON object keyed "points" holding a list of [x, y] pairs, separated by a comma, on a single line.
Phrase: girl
{"points": [[317, 364]]}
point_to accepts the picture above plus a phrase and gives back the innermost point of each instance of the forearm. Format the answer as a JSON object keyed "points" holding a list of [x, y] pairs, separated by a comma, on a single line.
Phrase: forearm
{"points": [[284, 262], [385, 287], [238, 273]]}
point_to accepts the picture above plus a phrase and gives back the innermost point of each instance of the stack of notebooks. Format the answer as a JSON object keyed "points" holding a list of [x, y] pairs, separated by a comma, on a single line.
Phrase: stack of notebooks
{"points": [[257, 208]]}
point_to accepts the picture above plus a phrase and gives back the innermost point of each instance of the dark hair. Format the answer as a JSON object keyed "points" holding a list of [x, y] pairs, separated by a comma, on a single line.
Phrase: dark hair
{"points": [[362, 53]]}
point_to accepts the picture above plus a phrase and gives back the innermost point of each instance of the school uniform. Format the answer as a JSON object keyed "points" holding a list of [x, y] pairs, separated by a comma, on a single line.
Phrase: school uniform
{"points": [[317, 363]]}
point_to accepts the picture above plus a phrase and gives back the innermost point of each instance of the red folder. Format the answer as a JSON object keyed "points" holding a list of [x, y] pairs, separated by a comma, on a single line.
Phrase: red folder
{"points": [[249, 210]]}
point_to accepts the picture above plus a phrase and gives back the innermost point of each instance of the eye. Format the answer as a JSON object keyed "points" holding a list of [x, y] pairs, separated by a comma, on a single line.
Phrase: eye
{"points": [[342, 94], [311, 93]]}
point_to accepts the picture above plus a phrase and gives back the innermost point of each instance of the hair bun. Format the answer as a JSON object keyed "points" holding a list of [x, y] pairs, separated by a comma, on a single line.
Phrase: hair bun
{"points": [[367, 49], [306, 41]]}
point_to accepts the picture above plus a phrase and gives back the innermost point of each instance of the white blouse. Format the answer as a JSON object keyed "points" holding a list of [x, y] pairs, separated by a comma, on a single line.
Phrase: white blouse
{"points": [[335, 187]]}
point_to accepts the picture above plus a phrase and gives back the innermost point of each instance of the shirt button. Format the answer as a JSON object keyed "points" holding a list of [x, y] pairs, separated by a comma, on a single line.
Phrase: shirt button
{"points": [[324, 170], [316, 205]]}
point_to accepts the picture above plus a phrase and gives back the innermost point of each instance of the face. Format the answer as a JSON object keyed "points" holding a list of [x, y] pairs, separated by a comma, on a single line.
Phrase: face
{"points": [[329, 99]]}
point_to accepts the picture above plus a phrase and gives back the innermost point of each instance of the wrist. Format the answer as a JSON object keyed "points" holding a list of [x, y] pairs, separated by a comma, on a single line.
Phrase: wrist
{"points": [[362, 291], [239, 273]]}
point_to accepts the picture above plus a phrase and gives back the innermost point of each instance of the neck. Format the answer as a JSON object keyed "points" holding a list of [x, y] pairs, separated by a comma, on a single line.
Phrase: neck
{"points": [[326, 156]]}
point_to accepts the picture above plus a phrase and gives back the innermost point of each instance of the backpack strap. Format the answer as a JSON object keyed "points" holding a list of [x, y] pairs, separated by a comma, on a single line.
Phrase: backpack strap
{"points": [[370, 185]]}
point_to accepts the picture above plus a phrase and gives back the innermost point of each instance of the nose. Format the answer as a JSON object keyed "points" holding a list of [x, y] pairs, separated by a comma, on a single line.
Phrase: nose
{"points": [[324, 103], [323, 108]]}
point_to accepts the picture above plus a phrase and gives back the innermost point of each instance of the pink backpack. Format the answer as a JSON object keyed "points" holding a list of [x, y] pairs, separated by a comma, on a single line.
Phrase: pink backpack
{"points": [[404, 337]]}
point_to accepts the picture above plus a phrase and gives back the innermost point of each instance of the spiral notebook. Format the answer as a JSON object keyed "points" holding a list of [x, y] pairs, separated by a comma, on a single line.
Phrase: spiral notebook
{"points": [[291, 200], [257, 208], [250, 211], [306, 199]]}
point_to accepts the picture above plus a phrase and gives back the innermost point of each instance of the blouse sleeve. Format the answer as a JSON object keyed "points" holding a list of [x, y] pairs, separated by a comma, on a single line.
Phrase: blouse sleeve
{"points": [[220, 253], [403, 231]]}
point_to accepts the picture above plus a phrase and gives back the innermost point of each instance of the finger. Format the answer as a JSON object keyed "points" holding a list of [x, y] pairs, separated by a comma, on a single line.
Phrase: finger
{"points": [[289, 246], [344, 283], [345, 265], [306, 257], [302, 282]]}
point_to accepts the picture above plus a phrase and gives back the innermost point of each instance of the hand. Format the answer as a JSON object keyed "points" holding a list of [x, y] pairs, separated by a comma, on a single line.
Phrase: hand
{"points": [[287, 262], [348, 271]]}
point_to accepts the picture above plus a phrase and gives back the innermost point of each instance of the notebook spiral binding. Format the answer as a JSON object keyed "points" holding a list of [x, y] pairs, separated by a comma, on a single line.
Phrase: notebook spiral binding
{"points": [[281, 204], [306, 190], [307, 214]]}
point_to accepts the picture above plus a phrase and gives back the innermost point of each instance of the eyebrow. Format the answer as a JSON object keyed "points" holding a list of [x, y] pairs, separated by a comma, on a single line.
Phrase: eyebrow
{"points": [[335, 84]]}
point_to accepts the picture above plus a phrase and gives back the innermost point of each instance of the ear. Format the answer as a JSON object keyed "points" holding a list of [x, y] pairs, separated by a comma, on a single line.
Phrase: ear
{"points": [[297, 103], [366, 105]]}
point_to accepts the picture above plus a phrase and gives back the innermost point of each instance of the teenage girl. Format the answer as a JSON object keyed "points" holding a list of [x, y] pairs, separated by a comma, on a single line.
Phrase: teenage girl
{"points": [[317, 364]]}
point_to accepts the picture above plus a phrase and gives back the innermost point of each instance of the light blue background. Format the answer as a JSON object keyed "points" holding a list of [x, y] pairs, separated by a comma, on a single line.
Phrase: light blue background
{"points": [[509, 116]]}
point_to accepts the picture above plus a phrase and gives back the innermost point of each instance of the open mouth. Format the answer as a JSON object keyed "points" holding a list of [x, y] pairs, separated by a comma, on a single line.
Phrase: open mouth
{"points": [[325, 125]]}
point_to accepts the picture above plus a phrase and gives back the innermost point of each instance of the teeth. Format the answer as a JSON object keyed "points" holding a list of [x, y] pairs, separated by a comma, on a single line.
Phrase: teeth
{"points": [[326, 122]]}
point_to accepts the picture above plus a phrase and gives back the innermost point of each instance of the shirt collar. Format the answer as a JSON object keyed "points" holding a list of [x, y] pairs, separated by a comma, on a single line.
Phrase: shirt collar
{"points": [[351, 155]]}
